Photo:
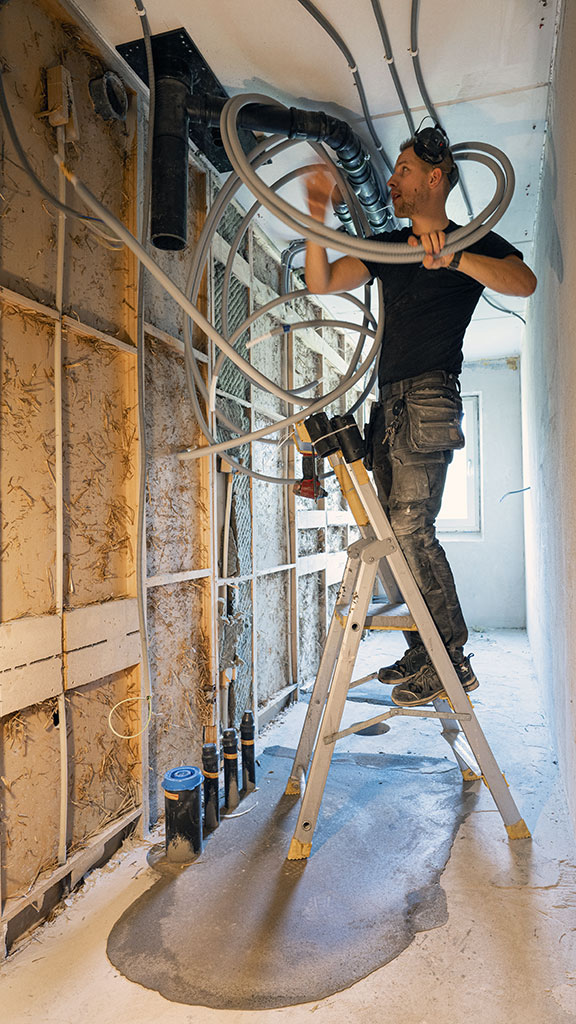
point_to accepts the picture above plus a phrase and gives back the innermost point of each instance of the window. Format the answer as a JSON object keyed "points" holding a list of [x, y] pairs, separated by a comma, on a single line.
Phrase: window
{"points": [[461, 504]]}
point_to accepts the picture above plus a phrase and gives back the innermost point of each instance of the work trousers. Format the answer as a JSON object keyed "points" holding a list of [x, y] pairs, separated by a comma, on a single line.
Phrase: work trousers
{"points": [[410, 485]]}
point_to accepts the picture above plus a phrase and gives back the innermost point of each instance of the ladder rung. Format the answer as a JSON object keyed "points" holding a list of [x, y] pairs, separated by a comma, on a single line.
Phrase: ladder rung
{"points": [[382, 615], [393, 713]]}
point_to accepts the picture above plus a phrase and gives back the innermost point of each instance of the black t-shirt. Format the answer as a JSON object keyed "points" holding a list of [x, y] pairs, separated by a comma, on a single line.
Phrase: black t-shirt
{"points": [[427, 311]]}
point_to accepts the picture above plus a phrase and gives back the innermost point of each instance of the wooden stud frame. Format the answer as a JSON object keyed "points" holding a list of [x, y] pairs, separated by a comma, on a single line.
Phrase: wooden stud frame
{"points": [[45, 656]]}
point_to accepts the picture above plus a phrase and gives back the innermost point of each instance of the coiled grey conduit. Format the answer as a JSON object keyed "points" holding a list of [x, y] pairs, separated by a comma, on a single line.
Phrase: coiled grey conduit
{"points": [[300, 223]]}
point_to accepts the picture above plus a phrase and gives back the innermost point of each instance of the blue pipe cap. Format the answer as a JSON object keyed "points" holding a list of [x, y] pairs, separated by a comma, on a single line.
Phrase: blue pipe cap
{"points": [[184, 778]]}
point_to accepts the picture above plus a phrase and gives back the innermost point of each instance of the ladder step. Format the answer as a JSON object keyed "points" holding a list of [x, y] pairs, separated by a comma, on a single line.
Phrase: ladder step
{"points": [[383, 615], [395, 713]]}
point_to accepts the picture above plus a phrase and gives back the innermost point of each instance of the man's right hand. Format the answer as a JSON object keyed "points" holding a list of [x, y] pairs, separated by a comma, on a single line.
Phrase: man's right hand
{"points": [[319, 187], [322, 277]]}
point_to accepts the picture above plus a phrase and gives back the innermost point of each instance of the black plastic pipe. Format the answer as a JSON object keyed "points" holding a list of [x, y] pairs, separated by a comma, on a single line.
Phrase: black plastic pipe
{"points": [[247, 735], [230, 748], [210, 771], [169, 210], [313, 125], [183, 808], [175, 107]]}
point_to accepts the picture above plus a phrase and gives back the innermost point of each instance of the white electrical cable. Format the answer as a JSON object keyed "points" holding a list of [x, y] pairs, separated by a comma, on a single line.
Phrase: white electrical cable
{"points": [[108, 217], [377, 250], [303, 324]]}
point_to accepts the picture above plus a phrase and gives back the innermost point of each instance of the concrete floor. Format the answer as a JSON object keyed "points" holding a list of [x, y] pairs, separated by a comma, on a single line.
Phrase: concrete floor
{"points": [[506, 953]]}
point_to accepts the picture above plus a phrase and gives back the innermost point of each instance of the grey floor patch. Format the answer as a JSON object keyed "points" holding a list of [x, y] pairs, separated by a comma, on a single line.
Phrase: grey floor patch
{"points": [[243, 928]]}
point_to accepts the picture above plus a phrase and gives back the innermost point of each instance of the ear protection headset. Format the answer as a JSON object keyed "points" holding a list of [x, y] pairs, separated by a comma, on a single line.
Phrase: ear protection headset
{"points": [[432, 145]]}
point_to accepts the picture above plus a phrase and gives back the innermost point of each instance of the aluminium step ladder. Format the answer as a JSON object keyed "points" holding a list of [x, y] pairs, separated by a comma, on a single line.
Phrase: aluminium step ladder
{"points": [[377, 553]]}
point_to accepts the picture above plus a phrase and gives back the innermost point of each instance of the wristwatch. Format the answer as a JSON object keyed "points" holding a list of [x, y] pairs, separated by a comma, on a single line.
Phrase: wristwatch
{"points": [[455, 263]]}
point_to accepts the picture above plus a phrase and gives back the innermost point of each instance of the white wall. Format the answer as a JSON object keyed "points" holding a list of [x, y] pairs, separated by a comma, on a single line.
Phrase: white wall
{"points": [[549, 388], [489, 569]]}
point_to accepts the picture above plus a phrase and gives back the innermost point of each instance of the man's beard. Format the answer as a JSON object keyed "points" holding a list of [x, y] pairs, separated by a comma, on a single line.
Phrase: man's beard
{"points": [[407, 206]]}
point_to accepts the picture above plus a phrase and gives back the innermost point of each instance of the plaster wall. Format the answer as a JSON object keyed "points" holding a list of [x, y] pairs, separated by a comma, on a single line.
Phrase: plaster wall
{"points": [[549, 386], [489, 566]]}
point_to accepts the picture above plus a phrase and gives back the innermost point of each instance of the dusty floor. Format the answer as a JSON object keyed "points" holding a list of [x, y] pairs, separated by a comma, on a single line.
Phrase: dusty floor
{"points": [[507, 952]]}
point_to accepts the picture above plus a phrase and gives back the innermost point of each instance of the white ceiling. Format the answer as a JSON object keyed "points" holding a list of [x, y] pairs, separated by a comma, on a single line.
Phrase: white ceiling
{"points": [[486, 66]]}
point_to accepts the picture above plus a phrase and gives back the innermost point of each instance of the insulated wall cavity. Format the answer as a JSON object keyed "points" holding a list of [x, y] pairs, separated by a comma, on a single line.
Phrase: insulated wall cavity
{"points": [[177, 492], [29, 796], [272, 635], [311, 624], [27, 464], [100, 442], [180, 656]]}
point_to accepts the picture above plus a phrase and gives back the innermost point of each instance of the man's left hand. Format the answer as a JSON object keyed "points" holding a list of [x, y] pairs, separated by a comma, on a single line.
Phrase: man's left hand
{"points": [[434, 258]]}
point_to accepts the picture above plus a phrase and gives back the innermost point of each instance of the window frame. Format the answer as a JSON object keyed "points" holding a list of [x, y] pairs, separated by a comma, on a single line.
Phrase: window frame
{"points": [[472, 526]]}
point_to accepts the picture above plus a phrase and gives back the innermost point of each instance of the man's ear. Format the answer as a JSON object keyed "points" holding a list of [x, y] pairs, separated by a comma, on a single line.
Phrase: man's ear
{"points": [[435, 177]]}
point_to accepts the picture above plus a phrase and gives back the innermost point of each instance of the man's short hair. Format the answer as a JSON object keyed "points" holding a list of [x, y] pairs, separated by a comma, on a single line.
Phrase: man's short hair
{"points": [[446, 165]]}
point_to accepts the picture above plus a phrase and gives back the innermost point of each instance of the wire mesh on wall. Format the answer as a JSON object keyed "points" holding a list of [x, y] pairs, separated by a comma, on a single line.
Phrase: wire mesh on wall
{"points": [[235, 384]]}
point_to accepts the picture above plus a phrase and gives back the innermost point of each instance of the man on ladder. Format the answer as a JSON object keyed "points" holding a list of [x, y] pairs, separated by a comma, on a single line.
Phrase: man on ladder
{"points": [[415, 426]]}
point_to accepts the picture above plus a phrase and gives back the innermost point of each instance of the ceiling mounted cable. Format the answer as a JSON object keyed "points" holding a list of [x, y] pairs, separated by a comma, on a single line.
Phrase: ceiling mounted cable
{"points": [[389, 58], [337, 38], [414, 53], [311, 228]]}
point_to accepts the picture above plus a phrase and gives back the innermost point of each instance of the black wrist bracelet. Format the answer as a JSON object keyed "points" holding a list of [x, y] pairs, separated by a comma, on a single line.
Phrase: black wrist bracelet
{"points": [[455, 260]]}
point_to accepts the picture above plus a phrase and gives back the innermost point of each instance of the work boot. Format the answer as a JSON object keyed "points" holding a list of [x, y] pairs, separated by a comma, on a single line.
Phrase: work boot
{"points": [[424, 686], [407, 666]]}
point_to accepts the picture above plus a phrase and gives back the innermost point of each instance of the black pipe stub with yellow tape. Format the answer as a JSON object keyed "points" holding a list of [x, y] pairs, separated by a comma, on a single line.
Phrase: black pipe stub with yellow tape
{"points": [[211, 773]]}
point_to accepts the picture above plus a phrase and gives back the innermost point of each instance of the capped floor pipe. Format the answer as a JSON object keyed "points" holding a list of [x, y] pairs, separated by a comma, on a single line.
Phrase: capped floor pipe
{"points": [[247, 733], [210, 771], [183, 806], [230, 747]]}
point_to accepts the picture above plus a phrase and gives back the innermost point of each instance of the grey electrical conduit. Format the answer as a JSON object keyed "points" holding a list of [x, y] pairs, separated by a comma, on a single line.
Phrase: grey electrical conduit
{"points": [[243, 227], [337, 38], [131, 242], [194, 279], [195, 275], [501, 199], [273, 388], [361, 222], [389, 58], [414, 15], [300, 325], [365, 249], [295, 247], [226, 284], [229, 115], [481, 230], [258, 155]]}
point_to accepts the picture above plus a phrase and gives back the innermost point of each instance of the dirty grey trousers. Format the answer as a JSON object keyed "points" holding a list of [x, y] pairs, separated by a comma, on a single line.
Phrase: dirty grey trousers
{"points": [[410, 486]]}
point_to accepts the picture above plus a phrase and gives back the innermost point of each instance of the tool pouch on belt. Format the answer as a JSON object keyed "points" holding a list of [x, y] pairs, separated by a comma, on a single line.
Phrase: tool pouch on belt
{"points": [[369, 435], [434, 420]]}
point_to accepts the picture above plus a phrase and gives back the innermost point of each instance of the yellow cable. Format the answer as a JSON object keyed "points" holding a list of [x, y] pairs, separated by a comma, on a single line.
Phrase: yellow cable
{"points": [[133, 735]]}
